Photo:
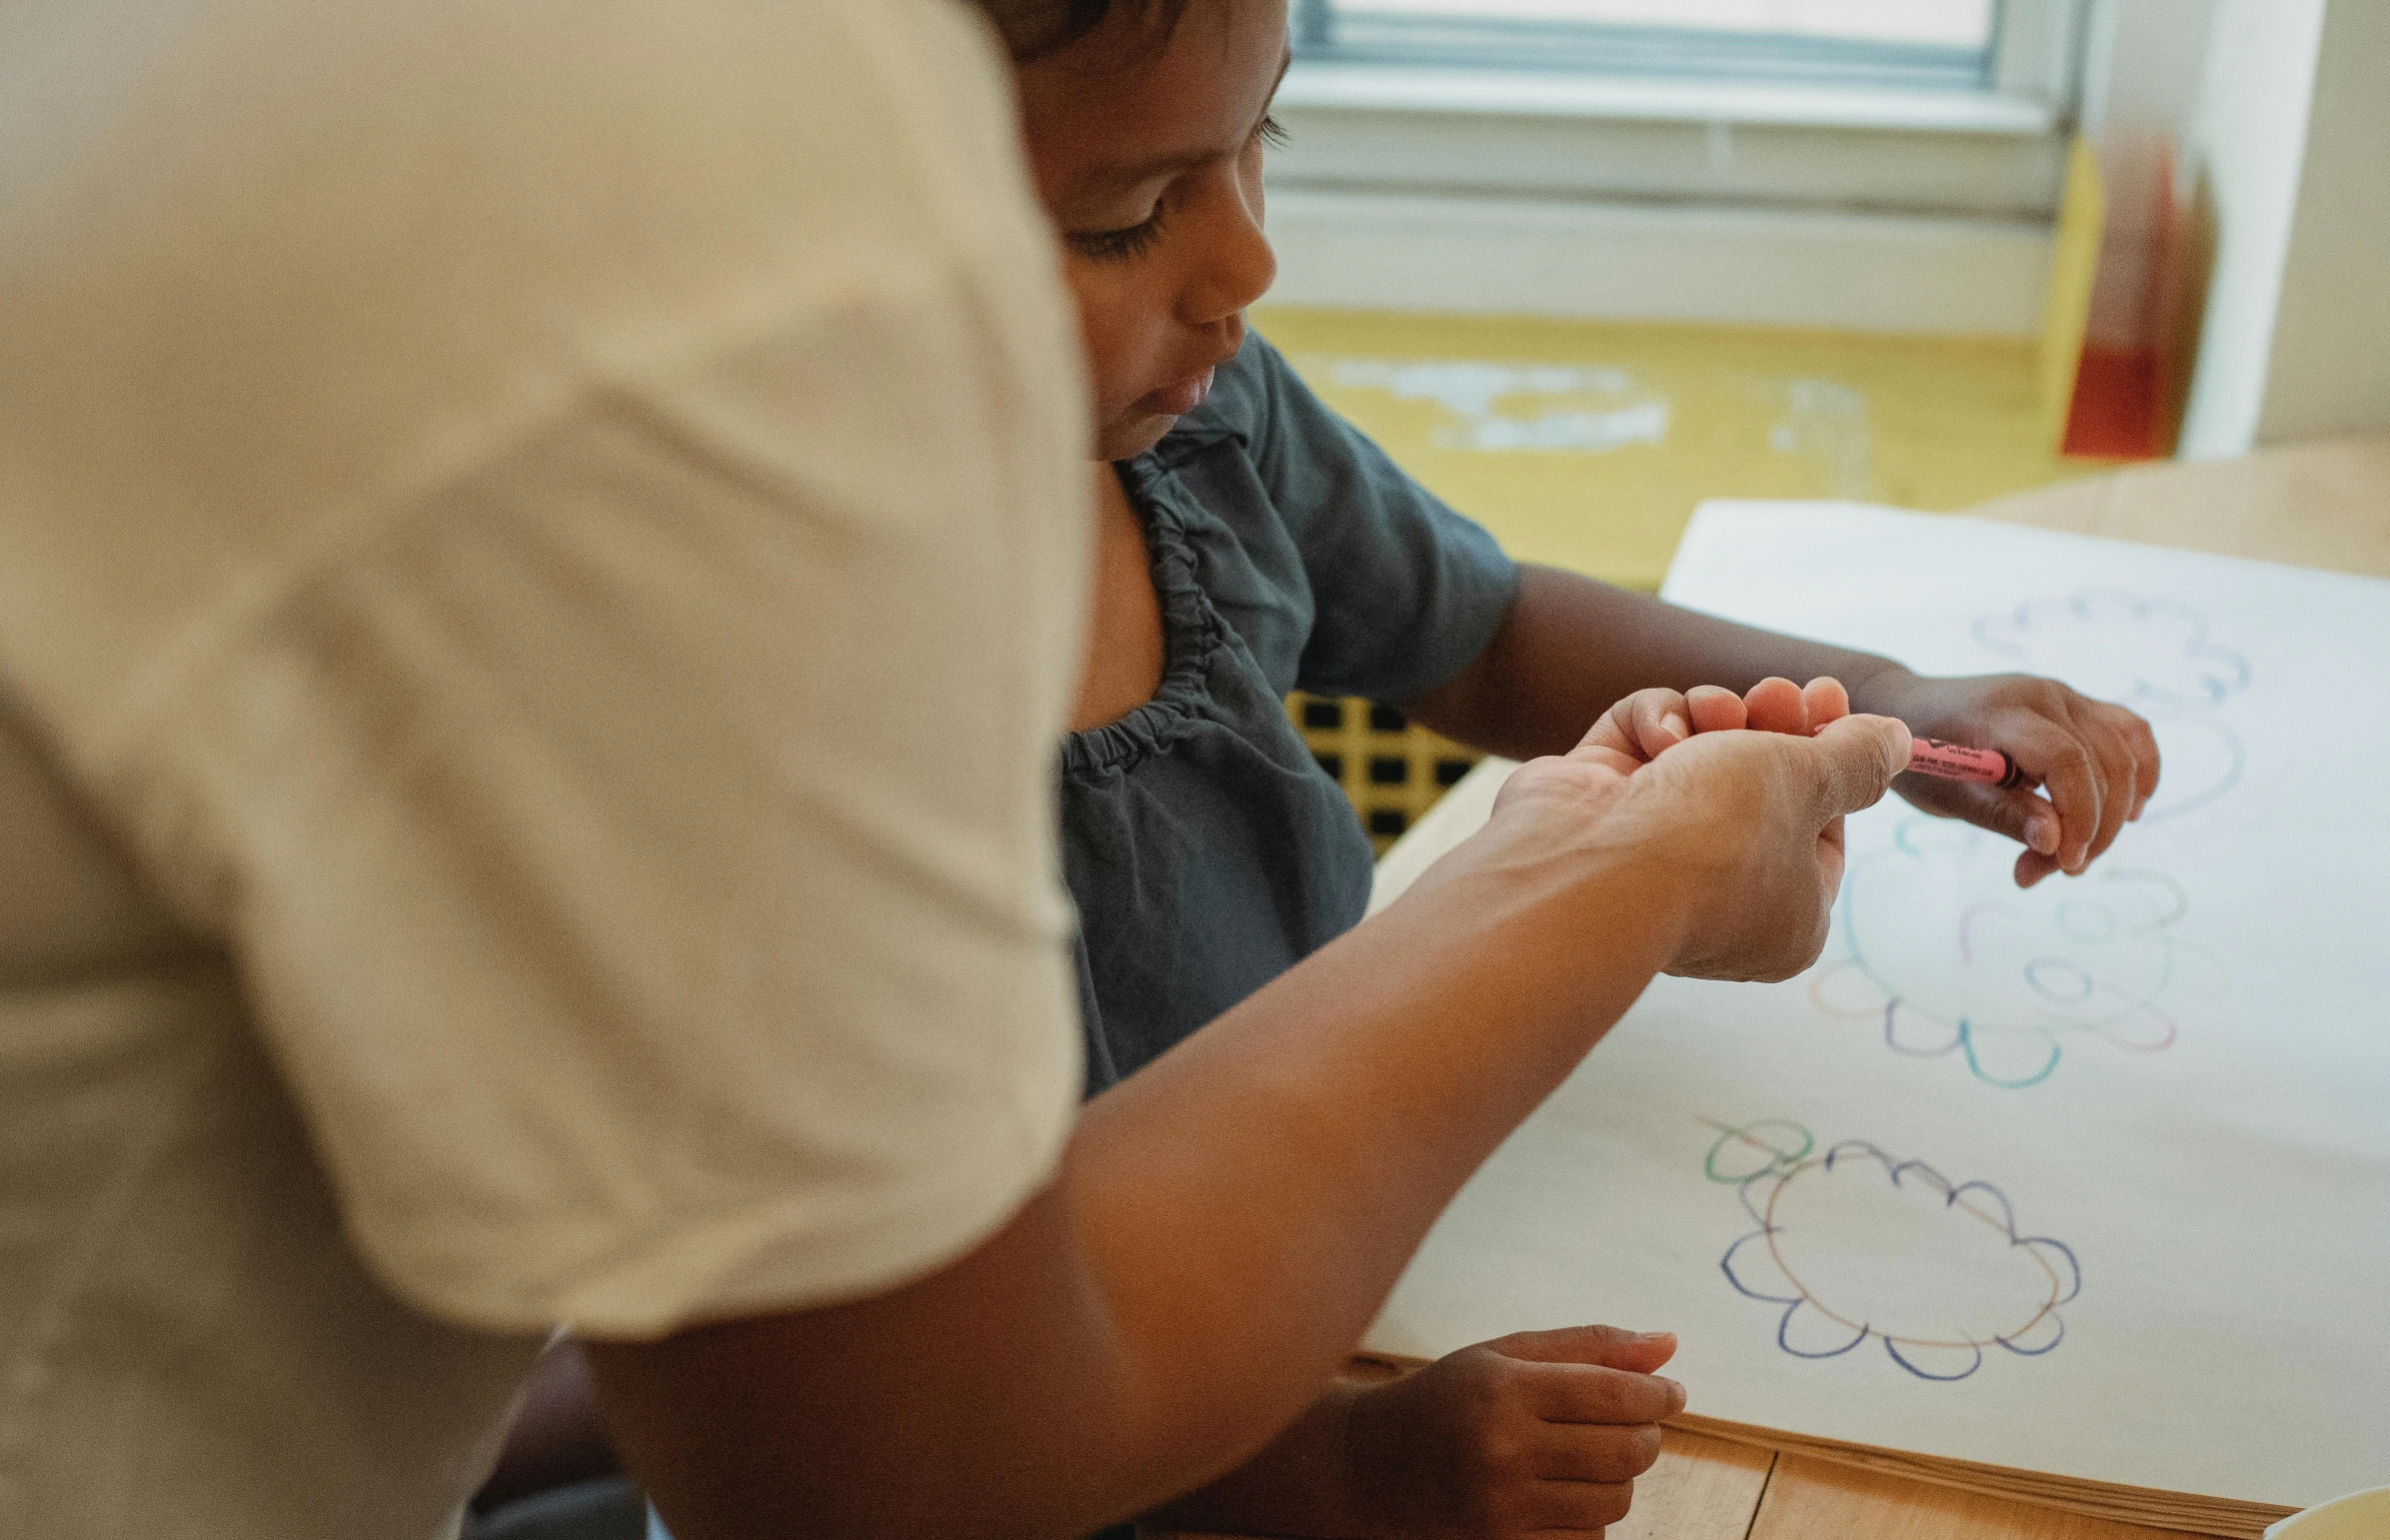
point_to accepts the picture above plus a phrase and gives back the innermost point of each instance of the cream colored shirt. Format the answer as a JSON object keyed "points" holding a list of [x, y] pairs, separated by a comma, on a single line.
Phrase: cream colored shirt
{"points": [[541, 560]]}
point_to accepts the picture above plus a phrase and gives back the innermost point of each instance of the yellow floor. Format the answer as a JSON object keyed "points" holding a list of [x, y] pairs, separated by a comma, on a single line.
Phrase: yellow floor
{"points": [[1587, 444]]}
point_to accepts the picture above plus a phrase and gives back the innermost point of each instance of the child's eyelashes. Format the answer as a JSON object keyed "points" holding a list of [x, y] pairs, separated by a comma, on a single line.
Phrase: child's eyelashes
{"points": [[1123, 245], [1131, 242]]}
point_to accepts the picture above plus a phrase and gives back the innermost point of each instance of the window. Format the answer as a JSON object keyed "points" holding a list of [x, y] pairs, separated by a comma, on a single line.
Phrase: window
{"points": [[1895, 163], [1947, 44], [1980, 66]]}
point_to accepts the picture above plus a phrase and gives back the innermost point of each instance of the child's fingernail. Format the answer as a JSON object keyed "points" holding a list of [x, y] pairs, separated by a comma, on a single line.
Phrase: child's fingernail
{"points": [[1674, 721], [2043, 835], [1655, 1336]]}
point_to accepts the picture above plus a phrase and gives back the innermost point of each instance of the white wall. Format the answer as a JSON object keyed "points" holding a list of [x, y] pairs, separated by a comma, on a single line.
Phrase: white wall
{"points": [[2248, 138], [2329, 373], [1658, 262]]}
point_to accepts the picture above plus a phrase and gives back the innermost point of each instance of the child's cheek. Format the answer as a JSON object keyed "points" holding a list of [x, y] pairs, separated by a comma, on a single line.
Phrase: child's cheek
{"points": [[1097, 326], [1121, 333]]}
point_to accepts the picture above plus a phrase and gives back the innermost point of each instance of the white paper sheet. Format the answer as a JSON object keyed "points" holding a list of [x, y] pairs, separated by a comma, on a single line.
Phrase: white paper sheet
{"points": [[2092, 1179]]}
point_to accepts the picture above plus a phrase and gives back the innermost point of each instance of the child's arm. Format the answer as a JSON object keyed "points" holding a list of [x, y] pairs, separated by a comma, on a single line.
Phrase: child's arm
{"points": [[1571, 646], [1539, 1431]]}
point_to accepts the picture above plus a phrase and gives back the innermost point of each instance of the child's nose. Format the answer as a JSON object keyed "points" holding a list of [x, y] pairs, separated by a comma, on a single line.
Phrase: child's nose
{"points": [[1234, 265]]}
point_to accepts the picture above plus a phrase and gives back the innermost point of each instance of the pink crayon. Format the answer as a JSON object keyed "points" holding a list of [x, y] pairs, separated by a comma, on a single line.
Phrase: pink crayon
{"points": [[1956, 761]]}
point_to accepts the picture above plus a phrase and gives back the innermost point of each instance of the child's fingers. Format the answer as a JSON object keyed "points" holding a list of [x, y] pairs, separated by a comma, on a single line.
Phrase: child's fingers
{"points": [[2144, 745], [1658, 720], [1824, 700], [1776, 706], [1614, 1347], [2016, 812], [2094, 762], [1637, 730], [1581, 1451], [1610, 742], [2070, 775], [1714, 709], [1593, 1393], [1556, 1510], [2119, 780], [2032, 867]]}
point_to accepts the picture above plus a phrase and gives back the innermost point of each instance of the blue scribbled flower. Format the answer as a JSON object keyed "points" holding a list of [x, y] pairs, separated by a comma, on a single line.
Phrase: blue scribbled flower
{"points": [[1936, 947], [1854, 1245], [2114, 645]]}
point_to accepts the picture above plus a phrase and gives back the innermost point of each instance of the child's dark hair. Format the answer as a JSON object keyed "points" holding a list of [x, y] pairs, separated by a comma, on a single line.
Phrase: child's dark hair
{"points": [[1034, 29]]}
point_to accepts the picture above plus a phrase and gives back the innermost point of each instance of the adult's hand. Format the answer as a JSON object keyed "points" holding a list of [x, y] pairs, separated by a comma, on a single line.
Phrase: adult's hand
{"points": [[1766, 812], [1750, 820]]}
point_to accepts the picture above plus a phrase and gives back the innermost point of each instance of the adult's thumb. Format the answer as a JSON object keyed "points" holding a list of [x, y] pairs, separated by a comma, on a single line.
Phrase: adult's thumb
{"points": [[1638, 1352], [1855, 761]]}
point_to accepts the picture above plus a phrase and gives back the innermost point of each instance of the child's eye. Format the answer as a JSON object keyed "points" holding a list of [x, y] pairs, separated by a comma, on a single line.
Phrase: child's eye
{"points": [[1131, 242], [1123, 245]]}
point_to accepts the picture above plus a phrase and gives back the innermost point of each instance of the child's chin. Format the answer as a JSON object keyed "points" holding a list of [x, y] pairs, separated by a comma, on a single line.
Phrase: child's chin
{"points": [[1132, 436]]}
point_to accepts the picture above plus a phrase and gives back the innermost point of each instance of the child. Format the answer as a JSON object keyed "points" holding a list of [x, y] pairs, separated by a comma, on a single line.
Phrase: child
{"points": [[1251, 543]]}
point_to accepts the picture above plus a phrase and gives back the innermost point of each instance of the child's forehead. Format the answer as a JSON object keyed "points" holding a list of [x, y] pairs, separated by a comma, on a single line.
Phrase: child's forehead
{"points": [[1124, 108]]}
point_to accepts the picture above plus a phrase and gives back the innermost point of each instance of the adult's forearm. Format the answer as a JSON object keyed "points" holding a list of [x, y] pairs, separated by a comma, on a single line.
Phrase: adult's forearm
{"points": [[1223, 1226], [1570, 647], [1253, 1195]]}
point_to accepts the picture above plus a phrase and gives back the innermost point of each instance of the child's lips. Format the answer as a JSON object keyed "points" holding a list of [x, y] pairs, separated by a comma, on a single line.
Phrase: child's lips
{"points": [[1176, 400]]}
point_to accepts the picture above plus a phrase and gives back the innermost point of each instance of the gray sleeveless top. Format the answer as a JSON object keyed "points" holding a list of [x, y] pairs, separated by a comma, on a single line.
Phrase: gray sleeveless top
{"points": [[1206, 850]]}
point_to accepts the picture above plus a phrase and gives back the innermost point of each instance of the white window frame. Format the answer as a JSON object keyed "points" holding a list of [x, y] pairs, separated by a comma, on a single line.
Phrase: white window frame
{"points": [[1642, 196], [1997, 150]]}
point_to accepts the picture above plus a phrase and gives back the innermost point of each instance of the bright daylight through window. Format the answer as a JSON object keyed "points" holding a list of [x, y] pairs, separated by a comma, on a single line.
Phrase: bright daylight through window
{"points": [[1951, 44]]}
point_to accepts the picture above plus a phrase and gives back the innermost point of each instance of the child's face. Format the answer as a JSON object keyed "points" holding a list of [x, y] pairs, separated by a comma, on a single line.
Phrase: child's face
{"points": [[1149, 160]]}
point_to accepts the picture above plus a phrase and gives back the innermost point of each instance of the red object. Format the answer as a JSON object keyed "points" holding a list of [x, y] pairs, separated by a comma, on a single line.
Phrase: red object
{"points": [[2115, 411], [1956, 761], [2129, 399]]}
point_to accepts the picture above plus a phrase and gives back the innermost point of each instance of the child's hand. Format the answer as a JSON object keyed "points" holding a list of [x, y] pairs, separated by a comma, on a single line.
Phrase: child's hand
{"points": [[1648, 723], [1539, 1431], [2097, 761]]}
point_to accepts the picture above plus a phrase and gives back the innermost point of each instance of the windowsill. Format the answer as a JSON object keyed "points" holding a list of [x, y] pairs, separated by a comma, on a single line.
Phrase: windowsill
{"points": [[1553, 94]]}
